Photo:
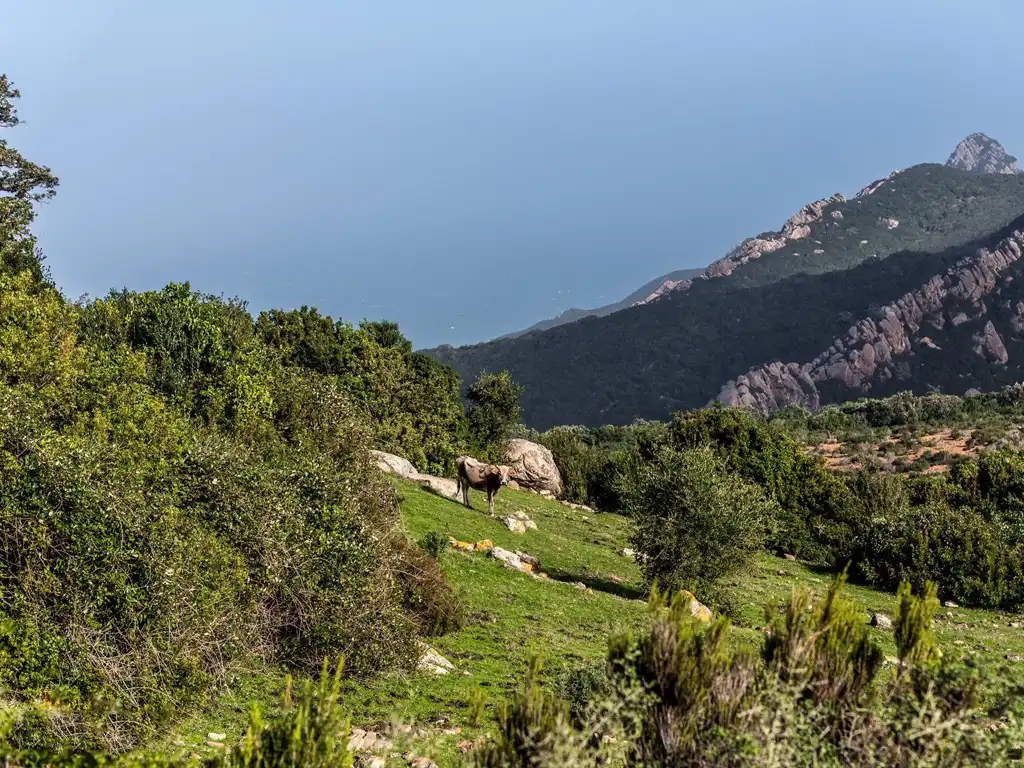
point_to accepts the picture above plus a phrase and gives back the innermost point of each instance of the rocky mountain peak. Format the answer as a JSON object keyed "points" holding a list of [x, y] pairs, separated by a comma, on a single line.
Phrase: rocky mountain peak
{"points": [[983, 154]]}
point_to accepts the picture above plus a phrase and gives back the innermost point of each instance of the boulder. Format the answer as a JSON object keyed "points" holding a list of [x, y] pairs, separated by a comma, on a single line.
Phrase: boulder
{"points": [[533, 466], [392, 464], [442, 486]]}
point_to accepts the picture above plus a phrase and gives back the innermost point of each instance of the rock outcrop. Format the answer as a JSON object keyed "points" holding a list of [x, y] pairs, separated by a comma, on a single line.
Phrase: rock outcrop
{"points": [[533, 466], [666, 287], [989, 345], [870, 347], [396, 465], [982, 154]]}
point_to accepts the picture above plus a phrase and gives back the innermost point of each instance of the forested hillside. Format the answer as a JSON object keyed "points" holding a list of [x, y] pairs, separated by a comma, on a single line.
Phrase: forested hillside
{"points": [[842, 260]]}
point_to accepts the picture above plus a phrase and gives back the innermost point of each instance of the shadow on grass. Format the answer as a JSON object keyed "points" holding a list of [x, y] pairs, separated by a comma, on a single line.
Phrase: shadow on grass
{"points": [[600, 584]]}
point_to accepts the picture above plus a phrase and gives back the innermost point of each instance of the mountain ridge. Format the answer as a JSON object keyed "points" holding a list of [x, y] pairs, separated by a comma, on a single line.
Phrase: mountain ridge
{"points": [[780, 296]]}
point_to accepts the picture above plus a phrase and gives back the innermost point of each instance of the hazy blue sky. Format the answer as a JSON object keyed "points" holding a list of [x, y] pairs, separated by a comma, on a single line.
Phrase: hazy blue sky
{"points": [[468, 168]]}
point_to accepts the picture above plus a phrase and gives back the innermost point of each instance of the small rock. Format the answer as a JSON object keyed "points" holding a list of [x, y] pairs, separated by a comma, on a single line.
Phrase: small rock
{"points": [[422, 762], [530, 525], [520, 515], [216, 744], [484, 546], [512, 484], [950, 604], [370, 761], [629, 553], [514, 525], [452, 731], [178, 743], [1015, 625], [881, 621], [788, 556], [216, 736], [432, 661], [1014, 657], [528, 558]]}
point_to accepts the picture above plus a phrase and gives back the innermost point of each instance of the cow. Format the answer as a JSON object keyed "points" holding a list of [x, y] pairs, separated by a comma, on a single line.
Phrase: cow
{"points": [[482, 477]]}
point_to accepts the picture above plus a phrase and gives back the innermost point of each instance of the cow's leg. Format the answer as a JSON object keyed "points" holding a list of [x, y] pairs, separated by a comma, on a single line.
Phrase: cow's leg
{"points": [[465, 495], [490, 501]]}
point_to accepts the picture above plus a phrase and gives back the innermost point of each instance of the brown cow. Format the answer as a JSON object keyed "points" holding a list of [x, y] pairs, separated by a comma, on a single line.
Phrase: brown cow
{"points": [[482, 477]]}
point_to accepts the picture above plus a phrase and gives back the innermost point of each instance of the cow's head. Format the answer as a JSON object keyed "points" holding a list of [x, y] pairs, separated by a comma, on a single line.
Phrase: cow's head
{"points": [[506, 474]]}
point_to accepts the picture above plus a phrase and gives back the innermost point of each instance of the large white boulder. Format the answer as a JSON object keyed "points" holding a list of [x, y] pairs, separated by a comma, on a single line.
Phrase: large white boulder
{"points": [[533, 466], [395, 465]]}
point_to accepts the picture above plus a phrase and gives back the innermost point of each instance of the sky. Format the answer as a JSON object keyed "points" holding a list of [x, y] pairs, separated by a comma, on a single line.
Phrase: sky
{"points": [[468, 168]]}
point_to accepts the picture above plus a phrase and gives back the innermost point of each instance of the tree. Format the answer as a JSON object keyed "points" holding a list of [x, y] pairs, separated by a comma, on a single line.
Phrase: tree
{"points": [[493, 411], [22, 185], [694, 522]]}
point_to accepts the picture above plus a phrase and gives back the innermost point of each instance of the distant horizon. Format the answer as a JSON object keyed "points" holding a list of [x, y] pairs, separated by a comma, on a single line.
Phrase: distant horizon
{"points": [[467, 171]]}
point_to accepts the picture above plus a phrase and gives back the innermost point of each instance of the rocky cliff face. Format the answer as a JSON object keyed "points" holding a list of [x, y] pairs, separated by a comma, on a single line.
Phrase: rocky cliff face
{"points": [[982, 154], [869, 351]]}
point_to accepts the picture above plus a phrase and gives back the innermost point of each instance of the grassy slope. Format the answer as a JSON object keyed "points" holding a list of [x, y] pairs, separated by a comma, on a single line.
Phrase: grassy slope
{"points": [[513, 616]]}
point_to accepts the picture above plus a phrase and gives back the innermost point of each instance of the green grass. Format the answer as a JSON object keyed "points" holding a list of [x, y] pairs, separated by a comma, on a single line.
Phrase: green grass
{"points": [[513, 616]]}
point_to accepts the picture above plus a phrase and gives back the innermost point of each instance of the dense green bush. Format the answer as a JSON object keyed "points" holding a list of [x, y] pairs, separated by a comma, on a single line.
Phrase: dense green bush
{"points": [[694, 522], [144, 553]]}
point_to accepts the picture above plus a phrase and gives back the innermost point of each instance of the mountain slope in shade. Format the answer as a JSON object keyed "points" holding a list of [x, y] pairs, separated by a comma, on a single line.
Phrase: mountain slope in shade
{"points": [[786, 296], [641, 295], [982, 154]]}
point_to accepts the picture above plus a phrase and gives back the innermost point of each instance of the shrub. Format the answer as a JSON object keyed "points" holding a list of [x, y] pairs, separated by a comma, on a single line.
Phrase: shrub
{"points": [[694, 522], [434, 544], [681, 695]]}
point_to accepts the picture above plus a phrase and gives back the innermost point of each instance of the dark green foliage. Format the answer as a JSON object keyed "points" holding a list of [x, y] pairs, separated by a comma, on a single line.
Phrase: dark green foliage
{"points": [[493, 411], [694, 522], [648, 361], [23, 184], [434, 544], [817, 518], [411, 401]]}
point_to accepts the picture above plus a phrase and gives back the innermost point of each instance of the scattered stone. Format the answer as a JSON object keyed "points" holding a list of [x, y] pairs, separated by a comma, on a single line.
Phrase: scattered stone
{"points": [[1014, 657], [519, 561], [452, 731], [465, 546], [434, 662], [513, 485], [616, 579], [950, 604], [629, 554], [579, 585], [215, 744], [484, 546], [1014, 625], [892, 661], [881, 621], [514, 525], [788, 556], [178, 743], [546, 494], [422, 762], [370, 761], [520, 515], [530, 525], [216, 736], [697, 609]]}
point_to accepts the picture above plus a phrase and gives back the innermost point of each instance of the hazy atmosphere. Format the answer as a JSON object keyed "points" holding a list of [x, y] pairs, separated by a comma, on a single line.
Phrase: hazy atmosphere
{"points": [[468, 169]]}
